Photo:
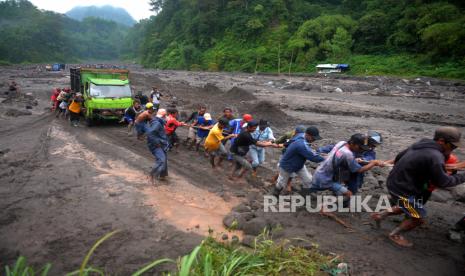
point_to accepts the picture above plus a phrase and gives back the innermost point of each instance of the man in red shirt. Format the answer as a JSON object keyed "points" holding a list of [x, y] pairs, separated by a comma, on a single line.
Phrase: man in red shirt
{"points": [[172, 124]]}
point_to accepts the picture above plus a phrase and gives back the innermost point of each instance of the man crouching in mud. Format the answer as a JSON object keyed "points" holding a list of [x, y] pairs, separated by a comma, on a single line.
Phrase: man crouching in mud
{"points": [[415, 169], [157, 141]]}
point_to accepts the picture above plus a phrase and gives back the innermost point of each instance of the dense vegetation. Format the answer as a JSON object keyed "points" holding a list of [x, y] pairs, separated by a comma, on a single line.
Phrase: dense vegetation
{"points": [[398, 37], [379, 36], [30, 35], [119, 15]]}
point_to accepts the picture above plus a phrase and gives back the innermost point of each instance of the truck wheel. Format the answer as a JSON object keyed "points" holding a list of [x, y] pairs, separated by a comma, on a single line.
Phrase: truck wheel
{"points": [[89, 122]]}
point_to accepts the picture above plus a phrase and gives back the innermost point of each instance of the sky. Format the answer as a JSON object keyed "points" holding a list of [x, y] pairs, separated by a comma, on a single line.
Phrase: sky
{"points": [[138, 9]]}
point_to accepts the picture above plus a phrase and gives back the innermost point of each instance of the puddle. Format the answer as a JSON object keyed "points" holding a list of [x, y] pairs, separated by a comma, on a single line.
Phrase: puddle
{"points": [[190, 208], [177, 202]]}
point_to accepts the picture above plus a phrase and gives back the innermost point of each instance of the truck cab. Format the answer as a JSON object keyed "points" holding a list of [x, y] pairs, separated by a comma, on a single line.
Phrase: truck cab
{"points": [[106, 92]]}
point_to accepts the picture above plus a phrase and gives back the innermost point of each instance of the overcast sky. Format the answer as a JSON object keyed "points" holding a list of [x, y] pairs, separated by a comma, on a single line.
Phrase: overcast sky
{"points": [[138, 9]]}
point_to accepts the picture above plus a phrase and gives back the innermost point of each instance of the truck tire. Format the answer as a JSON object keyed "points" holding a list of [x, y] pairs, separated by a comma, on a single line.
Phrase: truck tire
{"points": [[89, 122]]}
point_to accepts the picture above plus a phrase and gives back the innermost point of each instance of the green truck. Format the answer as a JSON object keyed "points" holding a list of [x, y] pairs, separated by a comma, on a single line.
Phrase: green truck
{"points": [[106, 92]]}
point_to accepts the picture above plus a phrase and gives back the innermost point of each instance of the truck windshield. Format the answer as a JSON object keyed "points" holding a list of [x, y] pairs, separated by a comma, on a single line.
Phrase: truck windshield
{"points": [[109, 91]]}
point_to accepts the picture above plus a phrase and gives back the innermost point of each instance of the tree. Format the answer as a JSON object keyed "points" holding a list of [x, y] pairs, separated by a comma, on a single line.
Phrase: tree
{"points": [[340, 45]]}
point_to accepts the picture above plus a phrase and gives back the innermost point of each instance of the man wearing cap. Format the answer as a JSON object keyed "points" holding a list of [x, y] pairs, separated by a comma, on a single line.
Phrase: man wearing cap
{"points": [[262, 133], [335, 171], [236, 125], [364, 157], [414, 170], [241, 146], [293, 160], [157, 142], [142, 119], [283, 142], [204, 124]]}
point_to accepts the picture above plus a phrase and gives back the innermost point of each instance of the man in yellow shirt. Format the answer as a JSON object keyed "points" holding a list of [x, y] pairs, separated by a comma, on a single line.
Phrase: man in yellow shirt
{"points": [[213, 145]]}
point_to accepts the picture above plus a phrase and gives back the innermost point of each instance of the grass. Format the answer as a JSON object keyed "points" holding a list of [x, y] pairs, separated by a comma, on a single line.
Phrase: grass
{"points": [[404, 66], [212, 258]]}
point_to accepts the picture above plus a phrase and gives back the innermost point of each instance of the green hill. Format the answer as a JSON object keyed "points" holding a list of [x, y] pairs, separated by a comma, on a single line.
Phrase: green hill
{"points": [[402, 37], [31, 35], [119, 15]]}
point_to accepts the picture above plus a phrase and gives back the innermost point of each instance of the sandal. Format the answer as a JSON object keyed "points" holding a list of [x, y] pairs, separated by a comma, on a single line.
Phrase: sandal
{"points": [[400, 241]]}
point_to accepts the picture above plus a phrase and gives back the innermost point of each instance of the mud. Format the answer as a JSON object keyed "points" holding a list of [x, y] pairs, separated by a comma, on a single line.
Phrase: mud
{"points": [[61, 188]]}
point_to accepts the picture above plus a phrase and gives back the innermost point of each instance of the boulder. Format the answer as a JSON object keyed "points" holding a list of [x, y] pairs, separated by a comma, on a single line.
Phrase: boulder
{"points": [[255, 226]]}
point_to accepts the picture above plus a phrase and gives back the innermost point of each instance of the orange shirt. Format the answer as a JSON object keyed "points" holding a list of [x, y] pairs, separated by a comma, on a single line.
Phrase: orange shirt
{"points": [[75, 107]]}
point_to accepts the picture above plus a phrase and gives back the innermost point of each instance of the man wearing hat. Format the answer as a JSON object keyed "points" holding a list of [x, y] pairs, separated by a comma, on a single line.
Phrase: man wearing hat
{"points": [[283, 142], [415, 169], [293, 160], [241, 147], [263, 133], [341, 162], [142, 120], [363, 157]]}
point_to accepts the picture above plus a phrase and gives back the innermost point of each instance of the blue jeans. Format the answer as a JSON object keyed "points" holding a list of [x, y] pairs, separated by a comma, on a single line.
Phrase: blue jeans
{"points": [[257, 155], [160, 168], [355, 182], [140, 128], [336, 187]]}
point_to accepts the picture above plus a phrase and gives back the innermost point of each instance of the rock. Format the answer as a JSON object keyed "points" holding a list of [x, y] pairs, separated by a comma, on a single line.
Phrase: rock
{"points": [[442, 196], [234, 220], [242, 208], [458, 192], [338, 90], [343, 269], [29, 96], [248, 240], [225, 237], [255, 226], [455, 236], [235, 239]]}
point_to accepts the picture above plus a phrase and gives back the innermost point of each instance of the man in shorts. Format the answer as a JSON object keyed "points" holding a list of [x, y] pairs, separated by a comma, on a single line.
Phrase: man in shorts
{"points": [[414, 170], [192, 133], [130, 115], [293, 161], [214, 143]]}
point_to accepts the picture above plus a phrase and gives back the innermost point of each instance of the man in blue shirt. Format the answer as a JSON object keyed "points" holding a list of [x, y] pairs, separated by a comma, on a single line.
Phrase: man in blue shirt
{"points": [[157, 142], [293, 160]]}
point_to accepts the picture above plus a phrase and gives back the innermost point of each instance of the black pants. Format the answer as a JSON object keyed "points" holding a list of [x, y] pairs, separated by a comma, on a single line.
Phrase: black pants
{"points": [[74, 117]]}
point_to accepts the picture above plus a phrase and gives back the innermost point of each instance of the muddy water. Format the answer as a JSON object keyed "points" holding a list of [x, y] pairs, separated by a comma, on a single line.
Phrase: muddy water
{"points": [[179, 203], [189, 208]]}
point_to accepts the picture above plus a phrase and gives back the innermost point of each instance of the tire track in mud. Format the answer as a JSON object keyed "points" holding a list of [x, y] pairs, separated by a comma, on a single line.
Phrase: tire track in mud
{"points": [[38, 122]]}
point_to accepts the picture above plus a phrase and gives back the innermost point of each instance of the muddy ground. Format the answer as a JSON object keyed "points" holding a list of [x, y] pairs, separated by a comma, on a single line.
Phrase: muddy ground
{"points": [[61, 187]]}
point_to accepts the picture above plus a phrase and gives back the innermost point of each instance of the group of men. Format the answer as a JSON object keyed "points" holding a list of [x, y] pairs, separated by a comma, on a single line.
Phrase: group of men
{"points": [[416, 171], [66, 103]]}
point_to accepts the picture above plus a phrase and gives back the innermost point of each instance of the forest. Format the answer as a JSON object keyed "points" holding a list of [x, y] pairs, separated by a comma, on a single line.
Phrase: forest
{"points": [[399, 37], [30, 35], [392, 37]]}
